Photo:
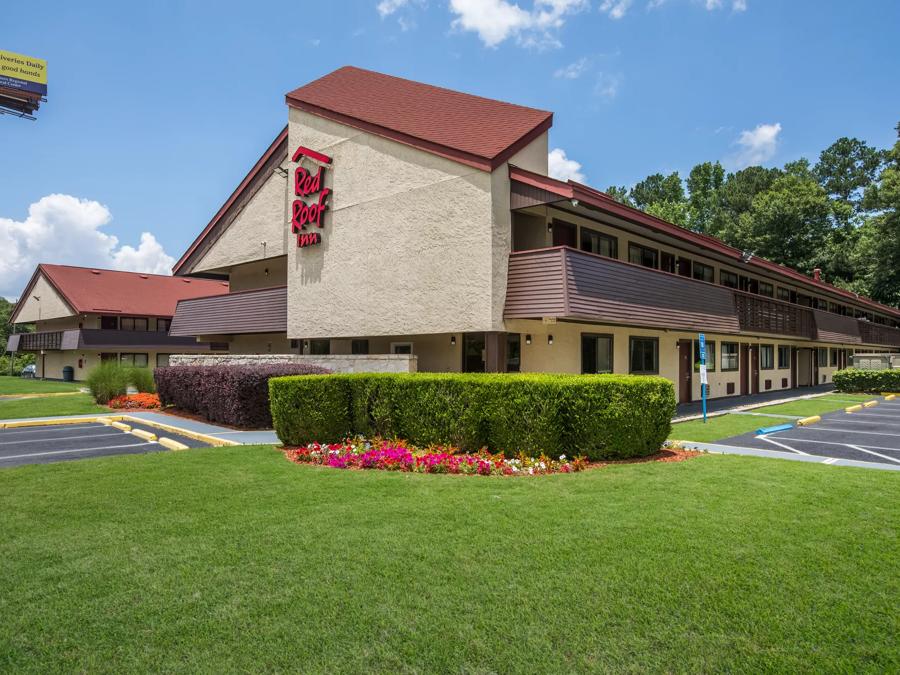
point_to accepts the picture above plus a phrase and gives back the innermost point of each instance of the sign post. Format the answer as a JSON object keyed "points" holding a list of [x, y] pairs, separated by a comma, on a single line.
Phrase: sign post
{"points": [[703, 377]]}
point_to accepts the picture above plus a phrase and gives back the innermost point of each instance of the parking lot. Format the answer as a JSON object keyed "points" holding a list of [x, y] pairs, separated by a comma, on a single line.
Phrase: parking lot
{"points": [[57, 443], [868, 435]]}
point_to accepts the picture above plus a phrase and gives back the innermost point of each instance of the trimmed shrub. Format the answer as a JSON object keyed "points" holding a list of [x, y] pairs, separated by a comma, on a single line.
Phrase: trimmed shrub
{"points": [[598, 416], [107, 381], [233, 395], [867, 381]]}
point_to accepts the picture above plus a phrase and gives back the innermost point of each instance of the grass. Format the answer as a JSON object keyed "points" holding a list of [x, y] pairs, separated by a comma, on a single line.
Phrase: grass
{"points": [[808, 407], [77, 404], [21, 385], [233, 559]]}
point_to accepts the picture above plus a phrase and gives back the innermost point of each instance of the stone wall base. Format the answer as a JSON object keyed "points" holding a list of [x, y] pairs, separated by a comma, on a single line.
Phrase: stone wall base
{"points": [[338, 363]]}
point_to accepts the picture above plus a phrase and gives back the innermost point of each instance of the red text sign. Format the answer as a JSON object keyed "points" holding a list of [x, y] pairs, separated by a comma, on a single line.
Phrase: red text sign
{"points": [[305, 185]]}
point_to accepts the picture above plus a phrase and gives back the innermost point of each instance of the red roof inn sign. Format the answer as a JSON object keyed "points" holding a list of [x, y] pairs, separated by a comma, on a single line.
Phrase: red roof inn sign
{"points": [[306, 184]]}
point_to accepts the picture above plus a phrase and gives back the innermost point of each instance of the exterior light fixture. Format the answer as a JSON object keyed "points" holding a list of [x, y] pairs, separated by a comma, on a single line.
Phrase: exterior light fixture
{"points": [[575, 203], [528, 339], [453, 340], [550, 227], [549, 339]]}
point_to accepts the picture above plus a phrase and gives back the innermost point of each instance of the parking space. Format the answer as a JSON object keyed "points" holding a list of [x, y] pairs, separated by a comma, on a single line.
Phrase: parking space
{"points": [[871, 434], [57, 443]]}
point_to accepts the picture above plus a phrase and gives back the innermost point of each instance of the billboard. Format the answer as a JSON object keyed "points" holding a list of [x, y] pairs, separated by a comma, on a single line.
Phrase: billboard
{"points": [[24, 73]]}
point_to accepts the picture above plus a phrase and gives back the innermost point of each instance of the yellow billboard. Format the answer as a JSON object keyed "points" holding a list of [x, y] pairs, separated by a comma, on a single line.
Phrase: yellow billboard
{"points": [[26, 73]]}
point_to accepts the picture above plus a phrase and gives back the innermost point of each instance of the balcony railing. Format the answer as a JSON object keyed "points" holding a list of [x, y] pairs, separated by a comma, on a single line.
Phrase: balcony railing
{"points": [[758, 314], [876, 334], [101, 338]]}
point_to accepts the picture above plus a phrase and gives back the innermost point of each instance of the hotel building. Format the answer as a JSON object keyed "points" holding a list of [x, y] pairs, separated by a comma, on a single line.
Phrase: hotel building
{"points": [[393, 217]]}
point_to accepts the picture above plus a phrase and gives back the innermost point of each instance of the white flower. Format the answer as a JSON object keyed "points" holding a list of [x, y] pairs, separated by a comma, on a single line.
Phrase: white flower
{"points": [[562, 458], [531, 471]]}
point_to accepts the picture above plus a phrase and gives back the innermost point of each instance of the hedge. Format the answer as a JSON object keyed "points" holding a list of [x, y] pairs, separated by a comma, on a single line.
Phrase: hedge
{"points": [[598, 416], [867, 381], [110, 379], [234, 395]]}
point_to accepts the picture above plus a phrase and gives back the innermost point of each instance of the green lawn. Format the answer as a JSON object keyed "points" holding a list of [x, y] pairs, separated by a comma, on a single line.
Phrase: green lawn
{"points": [[233, 559], [21, 385], [722, 426], [77, 404], [809, 407]]}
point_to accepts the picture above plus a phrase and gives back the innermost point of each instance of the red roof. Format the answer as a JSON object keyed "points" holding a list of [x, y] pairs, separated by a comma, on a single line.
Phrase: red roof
{"points": [[601, 200], [92, 290], [477, 131]]}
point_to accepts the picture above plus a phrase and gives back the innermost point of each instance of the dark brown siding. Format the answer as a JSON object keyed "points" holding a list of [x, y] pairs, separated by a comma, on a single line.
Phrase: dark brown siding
{"points": [[262, 311], [535, 285], [836, 328], [763, 315], [874, 334], [523, 195]]}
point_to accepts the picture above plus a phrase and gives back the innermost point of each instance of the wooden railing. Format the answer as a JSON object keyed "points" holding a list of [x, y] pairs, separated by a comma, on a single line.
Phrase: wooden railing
{"points": [[876, 334], [35, 342], [757, 314]]}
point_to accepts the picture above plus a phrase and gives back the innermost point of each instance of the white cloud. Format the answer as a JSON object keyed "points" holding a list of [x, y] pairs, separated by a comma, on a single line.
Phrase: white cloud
{"points": [[739, 6], [67, 230], [563, 168], [607, 85], [615, 8], [713, 4], [388, 7], [572, 71], [756, 146], [498, 20]]}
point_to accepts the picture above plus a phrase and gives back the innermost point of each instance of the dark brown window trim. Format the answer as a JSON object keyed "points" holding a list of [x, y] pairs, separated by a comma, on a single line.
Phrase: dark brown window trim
{"points": [[737, 353], [612, 350], [771, 349], [647, 338]]}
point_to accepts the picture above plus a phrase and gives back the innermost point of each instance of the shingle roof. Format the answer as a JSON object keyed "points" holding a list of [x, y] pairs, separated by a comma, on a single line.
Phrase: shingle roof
{"points": [[92, 290], [479, 131]]}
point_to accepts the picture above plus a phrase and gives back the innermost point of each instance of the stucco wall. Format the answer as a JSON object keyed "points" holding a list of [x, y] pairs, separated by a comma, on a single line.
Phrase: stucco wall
{"points": [[258, 274], [263, 219], [376, 363], [57, 360], [50, 306]]}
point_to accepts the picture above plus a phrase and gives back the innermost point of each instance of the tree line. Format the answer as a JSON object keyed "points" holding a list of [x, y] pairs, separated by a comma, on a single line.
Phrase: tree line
{"points": [[841, 214]]}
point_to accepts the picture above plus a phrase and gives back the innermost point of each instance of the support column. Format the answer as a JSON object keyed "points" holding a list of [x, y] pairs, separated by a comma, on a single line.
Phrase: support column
{"points": [[495, 352]]}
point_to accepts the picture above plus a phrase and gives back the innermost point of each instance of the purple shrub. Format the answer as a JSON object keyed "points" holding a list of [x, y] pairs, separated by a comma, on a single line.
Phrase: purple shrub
{"points": [[236, 395]]}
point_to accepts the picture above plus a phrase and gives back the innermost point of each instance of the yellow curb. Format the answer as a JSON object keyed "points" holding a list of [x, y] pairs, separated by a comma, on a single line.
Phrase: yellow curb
{"points": [[121, 426], [870, 404], [890, 397], [806, 421], [853, 408], [172, 444], [146, 435], [47, 423], [205, 438], [105, 420]]}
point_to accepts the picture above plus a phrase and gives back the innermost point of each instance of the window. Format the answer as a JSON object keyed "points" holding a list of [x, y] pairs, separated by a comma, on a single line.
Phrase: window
{"points": [[513, 352], [834, 357], [132, 323], [320, 347], [710, 356], [766, 289], [684, 267], [401, 348], [162, 360], [163, 325], [822, 357], [819, 303], [643, 356], [704, 272], [729, 279], [596, 353], [109, 322], [766, 357], [729, 356], [138, 360], [784, 294], [784, 356], [667, 262], [359, 346], [834, 308], [640, 255], [602, 244]]}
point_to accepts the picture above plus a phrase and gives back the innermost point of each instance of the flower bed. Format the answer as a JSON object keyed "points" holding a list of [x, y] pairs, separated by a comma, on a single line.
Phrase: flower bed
{"points": [[135, 402], [400, 456]]}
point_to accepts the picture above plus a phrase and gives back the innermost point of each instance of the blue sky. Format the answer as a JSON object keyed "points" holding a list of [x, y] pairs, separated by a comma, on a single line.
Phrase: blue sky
{"points": [[157, 110]]}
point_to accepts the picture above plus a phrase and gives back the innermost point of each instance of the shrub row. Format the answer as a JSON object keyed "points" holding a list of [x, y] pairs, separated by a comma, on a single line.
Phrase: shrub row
{"points": [[110, 379], [234, 395], [867, 381], [598, 416]]}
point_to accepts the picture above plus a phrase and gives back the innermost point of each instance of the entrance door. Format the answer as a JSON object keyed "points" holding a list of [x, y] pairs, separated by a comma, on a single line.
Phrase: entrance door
{"points": [[685, 371], [805, 359], [745, 370], [473, 353], [754, 369], [564, 234]]}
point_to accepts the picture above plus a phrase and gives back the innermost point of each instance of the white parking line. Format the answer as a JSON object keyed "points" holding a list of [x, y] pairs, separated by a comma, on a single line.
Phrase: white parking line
{"points": [[765, 438], [877, 415], [66, 452], [850, 431], [870, 422], [831, 460], [55, 439], [877, 454], [843, 445]]}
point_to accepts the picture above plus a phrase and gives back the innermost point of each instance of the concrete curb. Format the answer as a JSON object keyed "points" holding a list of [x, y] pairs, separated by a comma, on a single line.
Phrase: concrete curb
{"points": [[15, 424], [197, 436], [172, 444], [853, 408], [806, 421], [870, 404]]}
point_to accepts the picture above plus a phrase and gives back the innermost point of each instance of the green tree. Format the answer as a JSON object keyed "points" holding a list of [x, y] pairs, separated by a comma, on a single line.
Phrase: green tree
{"points": [[658, 188], [620, 194], [847, 167], [705, 201]]}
